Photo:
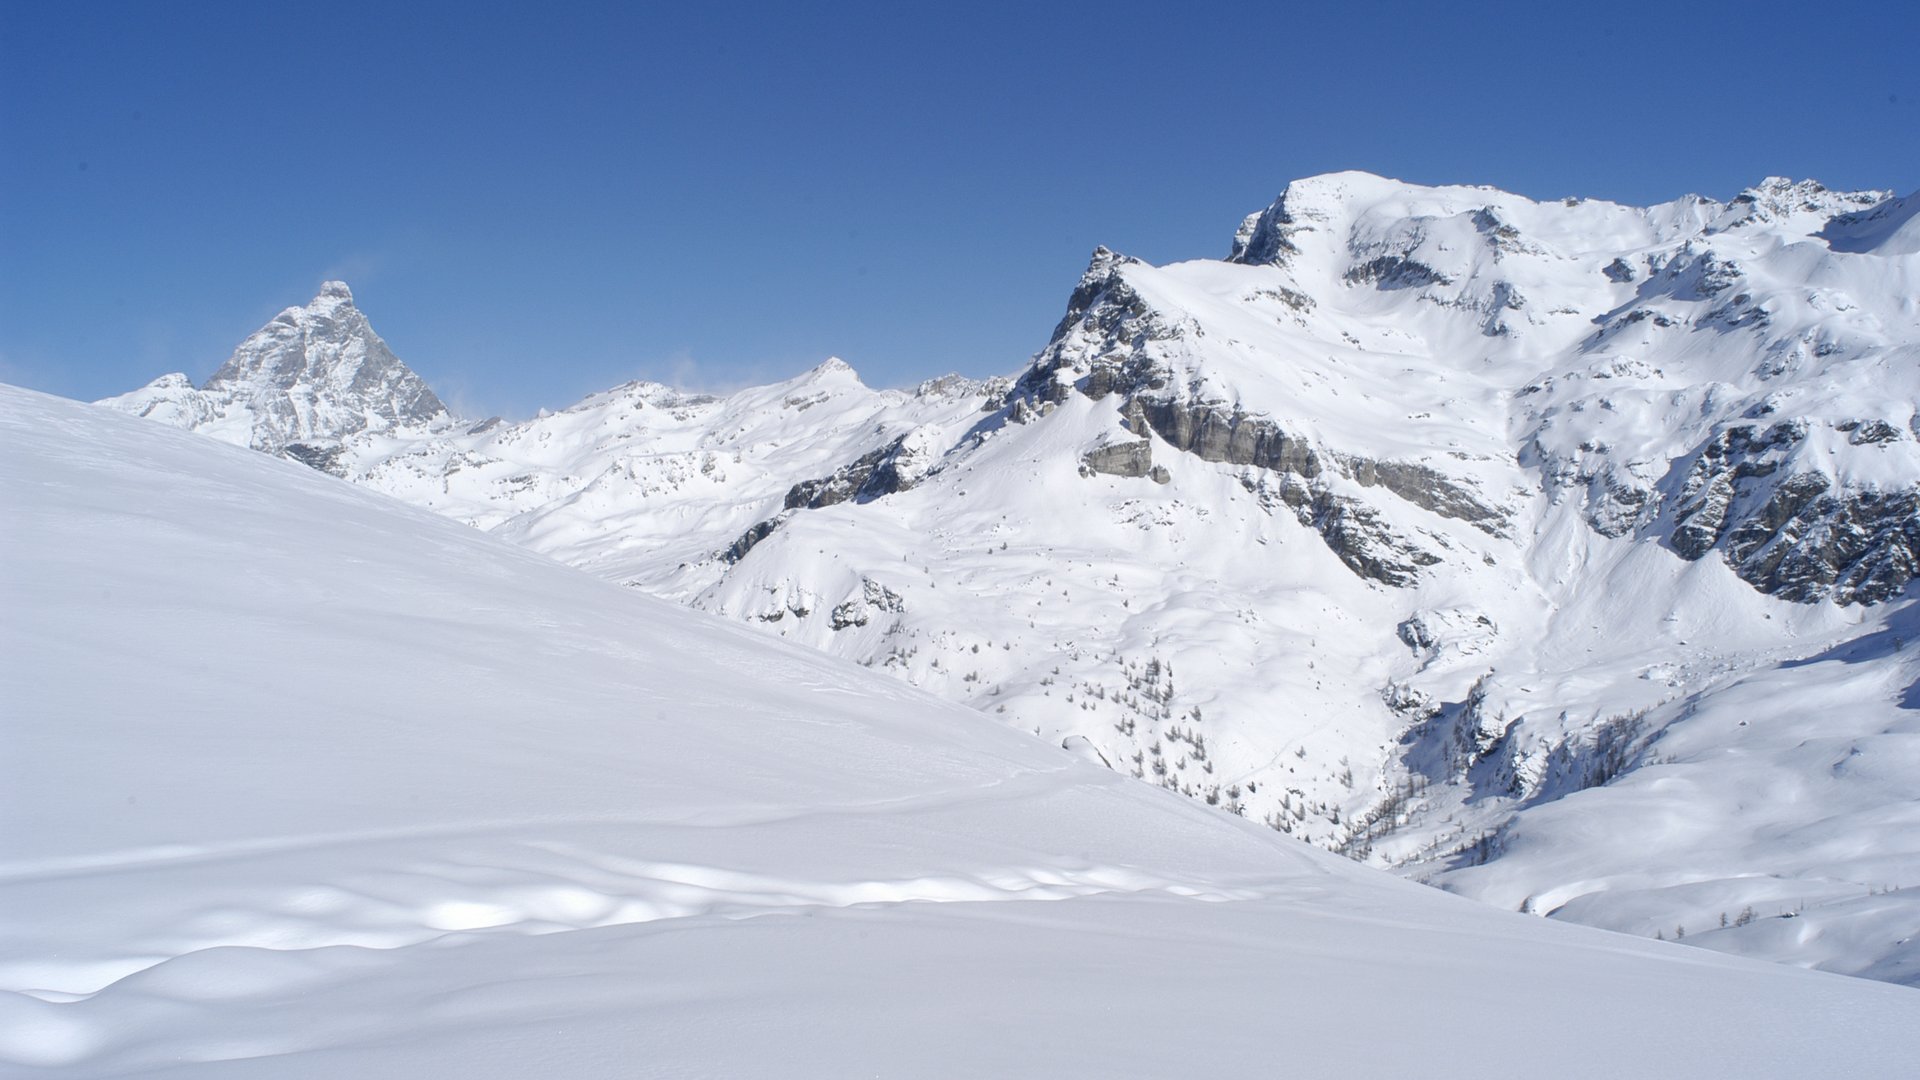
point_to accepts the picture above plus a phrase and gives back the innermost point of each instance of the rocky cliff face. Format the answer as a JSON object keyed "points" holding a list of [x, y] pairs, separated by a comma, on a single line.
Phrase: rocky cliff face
{"points": [[1115, 342]]}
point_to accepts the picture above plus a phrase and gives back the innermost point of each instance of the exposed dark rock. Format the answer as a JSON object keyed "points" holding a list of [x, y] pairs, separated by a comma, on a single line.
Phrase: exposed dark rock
{"points": [[1660, 319], [1616, 508], [760, 531], [1121, 459], [1707, 495], [1101, 279], [1716, 275], [859, 610], [1414, 633], [1491, 225], [1355, 533], [1351, 529], [1396, 272], [1221, 433], [881, 597], [1293, 298], [1102, 348], [873, 475], [1265, 238], [324, 458], [1218, 433], [1870, 431], [1856, 546], [1620, 270], [1427, 489], [1796, 536]]}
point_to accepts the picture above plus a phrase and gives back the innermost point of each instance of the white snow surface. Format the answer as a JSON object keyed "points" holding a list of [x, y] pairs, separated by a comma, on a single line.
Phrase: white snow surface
{"points": [[1551, 709], [302, 782]]}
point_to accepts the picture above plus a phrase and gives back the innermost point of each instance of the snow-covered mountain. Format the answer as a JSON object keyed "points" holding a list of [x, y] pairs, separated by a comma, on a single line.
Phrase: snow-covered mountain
{"points": [[1554, 553], [301, 782], [301, 384]]}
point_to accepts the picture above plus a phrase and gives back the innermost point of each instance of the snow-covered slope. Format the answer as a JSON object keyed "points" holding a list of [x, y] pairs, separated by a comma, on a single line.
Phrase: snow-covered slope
{"points": [[1452, 530], [300, 782]]}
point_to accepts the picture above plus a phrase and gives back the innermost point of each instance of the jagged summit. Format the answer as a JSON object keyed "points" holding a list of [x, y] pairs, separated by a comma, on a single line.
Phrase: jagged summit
{"points": [[311, 377], [320, 372]]}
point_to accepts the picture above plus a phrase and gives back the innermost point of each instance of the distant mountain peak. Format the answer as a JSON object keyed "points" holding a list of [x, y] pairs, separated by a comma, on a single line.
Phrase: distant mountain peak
{"points": [[1778, 198], [311, 377], [320, 373]]}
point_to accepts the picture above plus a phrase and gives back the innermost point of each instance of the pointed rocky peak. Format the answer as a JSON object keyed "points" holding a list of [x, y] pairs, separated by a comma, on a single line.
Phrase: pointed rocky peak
{"points": [[1103, 262], [1778, 198], [319, 373], [1264, 236], [830, 374], [1102, 275], [833, 368]]}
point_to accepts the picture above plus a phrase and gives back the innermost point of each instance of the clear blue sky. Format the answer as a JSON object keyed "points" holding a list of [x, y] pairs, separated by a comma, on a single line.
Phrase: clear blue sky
{"points": [[535, 201]]}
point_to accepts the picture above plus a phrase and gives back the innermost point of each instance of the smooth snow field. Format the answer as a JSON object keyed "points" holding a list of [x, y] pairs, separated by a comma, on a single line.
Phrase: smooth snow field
{"points": [[301, 782]]}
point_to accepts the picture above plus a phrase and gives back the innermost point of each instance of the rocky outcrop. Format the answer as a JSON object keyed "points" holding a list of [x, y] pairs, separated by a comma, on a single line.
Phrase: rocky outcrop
{"points": [[1357, 535], [326, 459], [1396, 272], [1266, 238], [1426, 488], [1706, 498], [854, 480], [1129, 459], [1792, 531], [1120, 459], [892, 468], [746, 541], [1106, 347], [1221, 433], [874, 600]]}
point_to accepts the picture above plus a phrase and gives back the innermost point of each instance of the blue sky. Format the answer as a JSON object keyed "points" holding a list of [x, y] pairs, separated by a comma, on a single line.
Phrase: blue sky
{"points": [[533, 202]]}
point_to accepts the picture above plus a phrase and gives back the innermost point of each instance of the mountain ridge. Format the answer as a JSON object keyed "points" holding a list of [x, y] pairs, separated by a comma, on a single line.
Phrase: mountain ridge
{"points": [[1453, 510]]}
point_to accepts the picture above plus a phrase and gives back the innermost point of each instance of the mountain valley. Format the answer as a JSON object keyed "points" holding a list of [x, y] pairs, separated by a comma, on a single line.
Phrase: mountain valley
{"points": [[1557, 554]]}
